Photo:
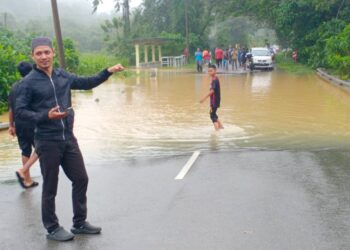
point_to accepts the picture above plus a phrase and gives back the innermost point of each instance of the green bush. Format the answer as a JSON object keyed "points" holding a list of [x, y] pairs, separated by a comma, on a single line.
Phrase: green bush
{"points": [[316, 54], [18, 41], [70, 55], [338, 53], [10, 56]]}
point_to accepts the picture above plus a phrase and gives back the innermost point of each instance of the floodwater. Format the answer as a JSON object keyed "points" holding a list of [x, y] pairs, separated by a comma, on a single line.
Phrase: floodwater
{"points": [[143, 116]]}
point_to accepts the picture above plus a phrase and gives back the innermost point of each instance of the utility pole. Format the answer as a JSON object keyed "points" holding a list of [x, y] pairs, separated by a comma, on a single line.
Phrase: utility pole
{"points": [[186, 20], [126, 17], [56, 22]]}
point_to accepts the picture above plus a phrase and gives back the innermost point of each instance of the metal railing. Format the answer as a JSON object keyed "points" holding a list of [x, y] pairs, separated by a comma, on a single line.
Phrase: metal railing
{"points": [[173, 61], [150, 65]]}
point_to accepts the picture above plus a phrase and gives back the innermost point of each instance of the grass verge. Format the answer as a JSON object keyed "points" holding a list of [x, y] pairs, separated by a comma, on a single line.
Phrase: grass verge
{"points": [[90, 64], [288, 65]]}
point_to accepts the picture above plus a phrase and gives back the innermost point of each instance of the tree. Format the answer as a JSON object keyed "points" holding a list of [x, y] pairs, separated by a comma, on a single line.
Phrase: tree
{"points": [[115, 39], [120, 5]]}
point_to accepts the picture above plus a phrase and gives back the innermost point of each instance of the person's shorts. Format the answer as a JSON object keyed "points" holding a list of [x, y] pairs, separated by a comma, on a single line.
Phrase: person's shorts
{"points": [[25, 139], [213, 116]]}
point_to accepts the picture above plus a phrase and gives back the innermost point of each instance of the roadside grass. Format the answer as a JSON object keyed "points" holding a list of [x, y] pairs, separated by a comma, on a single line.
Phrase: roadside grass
{"points": [[287, 64], [91, 63], [191, 65]]}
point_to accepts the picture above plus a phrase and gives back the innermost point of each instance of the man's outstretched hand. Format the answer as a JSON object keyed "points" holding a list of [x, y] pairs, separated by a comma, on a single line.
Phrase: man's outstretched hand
{"points": [[115, 68], [55, 113]]}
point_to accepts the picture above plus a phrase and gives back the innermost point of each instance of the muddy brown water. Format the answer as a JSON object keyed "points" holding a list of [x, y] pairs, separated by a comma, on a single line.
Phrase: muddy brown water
{"points": [[144, 116]]}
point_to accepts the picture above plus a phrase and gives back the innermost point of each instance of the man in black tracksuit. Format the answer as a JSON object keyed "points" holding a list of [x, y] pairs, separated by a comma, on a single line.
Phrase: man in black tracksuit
{"points": [[44, 98]]}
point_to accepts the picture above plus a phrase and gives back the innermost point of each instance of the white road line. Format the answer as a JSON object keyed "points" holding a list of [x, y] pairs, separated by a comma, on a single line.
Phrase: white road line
{"points": [[188, 165]]}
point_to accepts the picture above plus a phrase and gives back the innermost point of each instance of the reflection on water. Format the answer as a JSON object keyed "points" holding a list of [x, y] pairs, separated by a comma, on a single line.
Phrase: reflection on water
{"points": [[260, 83], [156, 116]]}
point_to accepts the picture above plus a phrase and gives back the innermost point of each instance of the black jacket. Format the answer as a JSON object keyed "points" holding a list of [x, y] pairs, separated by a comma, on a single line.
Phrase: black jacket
{"points": [[38, 93]]}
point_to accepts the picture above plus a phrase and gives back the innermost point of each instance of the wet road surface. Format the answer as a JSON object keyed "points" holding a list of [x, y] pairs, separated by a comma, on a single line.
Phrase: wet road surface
{"points": [[228, 200]]}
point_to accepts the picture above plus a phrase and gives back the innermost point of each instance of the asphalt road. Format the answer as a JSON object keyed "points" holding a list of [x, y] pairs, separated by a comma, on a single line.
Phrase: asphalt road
{"points": [[228, 200]]}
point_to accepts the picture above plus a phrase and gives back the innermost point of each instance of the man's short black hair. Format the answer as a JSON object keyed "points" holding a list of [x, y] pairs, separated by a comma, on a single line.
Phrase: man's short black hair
{"points": [[212, 66], [24, 68]]}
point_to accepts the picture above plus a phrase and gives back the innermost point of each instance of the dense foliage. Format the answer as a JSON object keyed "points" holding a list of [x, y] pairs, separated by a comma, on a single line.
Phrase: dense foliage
{"points": [[12, 51], [338, 53]]}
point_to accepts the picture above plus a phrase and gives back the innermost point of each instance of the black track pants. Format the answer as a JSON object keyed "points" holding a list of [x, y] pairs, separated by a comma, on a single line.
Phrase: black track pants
{"points": [[52, 154]]}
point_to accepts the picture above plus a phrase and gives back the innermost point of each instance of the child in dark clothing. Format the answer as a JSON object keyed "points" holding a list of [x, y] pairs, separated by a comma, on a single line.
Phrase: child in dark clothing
{"points": [[215, 97]]}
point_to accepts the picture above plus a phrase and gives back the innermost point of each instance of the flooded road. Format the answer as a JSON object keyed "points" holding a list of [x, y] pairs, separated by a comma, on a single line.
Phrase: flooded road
{"points": [[147, 117]]}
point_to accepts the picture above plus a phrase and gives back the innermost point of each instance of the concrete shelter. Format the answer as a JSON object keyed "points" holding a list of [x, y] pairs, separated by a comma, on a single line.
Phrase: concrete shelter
{"points": [[149, 43]]}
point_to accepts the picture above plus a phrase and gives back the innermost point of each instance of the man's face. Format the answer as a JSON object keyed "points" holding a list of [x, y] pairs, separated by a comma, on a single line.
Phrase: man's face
{"points": [[43, 56]]}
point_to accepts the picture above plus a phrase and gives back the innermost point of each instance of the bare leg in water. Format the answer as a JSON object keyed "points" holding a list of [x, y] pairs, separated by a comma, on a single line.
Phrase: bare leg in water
{"points": [[218, 125]]}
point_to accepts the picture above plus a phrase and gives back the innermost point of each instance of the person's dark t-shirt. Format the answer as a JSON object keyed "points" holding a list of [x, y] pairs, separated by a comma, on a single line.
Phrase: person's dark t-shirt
{"points": [[215, 98], [20, 124], [243, 56]]}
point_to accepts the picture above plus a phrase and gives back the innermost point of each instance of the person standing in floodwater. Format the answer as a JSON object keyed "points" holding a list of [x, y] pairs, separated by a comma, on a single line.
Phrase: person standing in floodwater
{"points": [[206, 57], [234, 58], [215, 97], [44, 99], [295, 56], [199, 60], [186, 53], [219, 54], [226, 59], [239, 57], [244, 58]]}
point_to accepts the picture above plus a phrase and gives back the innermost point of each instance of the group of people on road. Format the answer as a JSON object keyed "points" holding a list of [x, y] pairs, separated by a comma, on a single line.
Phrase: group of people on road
{"points": [[236, 58]]}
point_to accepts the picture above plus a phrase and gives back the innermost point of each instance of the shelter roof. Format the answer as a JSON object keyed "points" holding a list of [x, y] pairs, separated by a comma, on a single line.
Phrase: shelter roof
{"points": [[151, 41]]}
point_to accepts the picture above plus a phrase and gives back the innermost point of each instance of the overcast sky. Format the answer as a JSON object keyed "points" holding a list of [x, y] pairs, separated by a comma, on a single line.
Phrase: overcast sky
{"points": [[35, 9], [108, 5]]}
